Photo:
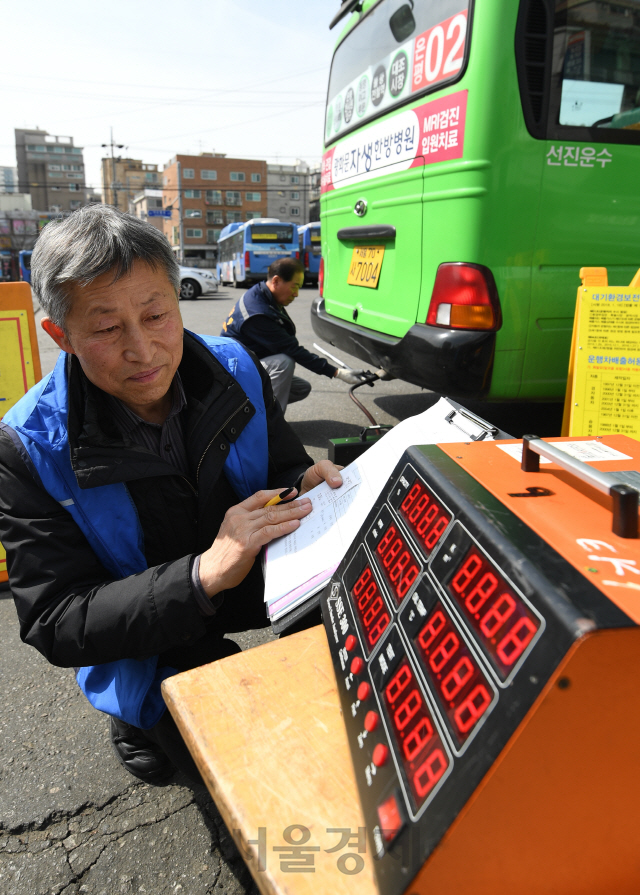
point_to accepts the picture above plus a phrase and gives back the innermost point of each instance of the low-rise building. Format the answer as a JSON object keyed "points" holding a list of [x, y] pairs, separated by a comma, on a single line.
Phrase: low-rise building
{"points": [[123, 178], [205, 192], [147, 205], [19, 229], [315, 178], [289, 188], [51, 169], [15, 202]]}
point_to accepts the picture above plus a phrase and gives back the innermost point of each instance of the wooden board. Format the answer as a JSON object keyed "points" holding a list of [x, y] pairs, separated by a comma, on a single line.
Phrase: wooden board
{"points": [[266, 732]]}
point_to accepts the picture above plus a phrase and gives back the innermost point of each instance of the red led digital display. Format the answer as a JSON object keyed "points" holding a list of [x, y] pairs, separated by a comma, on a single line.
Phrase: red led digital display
{"points": [[503, 622], [371, 609], [420, 748], [397, 562], [463, 689], [424, 515]]}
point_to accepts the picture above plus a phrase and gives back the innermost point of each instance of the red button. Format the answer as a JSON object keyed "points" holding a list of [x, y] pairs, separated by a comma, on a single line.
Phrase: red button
{"points": [[357, 665], [350, 642], [380, 755], [371, 721], [390, 818], [363, 691]]}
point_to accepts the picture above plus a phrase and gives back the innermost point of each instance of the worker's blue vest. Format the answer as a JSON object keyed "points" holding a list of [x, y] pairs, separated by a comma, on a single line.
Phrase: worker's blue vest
{"points": [[255, 301], [127, 688]]}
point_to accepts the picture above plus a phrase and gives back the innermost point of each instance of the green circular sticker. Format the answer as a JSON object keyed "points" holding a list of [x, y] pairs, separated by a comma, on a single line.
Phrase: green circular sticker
{"points": [[337, 118], [349, 105], [329, 121]]}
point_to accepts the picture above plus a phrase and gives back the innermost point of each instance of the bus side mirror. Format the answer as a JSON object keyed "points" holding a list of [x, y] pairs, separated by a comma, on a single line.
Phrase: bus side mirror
{"points": [[402, 22]]}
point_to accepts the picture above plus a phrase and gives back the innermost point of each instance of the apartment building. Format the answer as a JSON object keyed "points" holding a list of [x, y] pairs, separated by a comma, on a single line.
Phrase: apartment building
{"points": [[8, 179], [205, 192], [124, 178], [51, 169], [290, 188]]}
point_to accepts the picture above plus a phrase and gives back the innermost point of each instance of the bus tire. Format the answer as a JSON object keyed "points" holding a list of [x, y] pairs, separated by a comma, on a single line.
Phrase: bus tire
{"points": [[189, 289]]}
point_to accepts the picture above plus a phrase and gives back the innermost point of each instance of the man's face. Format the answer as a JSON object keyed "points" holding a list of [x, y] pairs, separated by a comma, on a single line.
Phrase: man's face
{"points": [[127, 336], [284, 293]]}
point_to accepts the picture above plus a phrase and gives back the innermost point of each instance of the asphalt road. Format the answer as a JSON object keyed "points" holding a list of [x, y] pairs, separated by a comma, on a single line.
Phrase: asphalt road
{"points": [[71, 819]]}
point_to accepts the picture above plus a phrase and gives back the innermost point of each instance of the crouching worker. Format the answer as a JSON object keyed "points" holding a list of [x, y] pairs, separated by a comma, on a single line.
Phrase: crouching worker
{"points": [[261, 323], [133, 481]]}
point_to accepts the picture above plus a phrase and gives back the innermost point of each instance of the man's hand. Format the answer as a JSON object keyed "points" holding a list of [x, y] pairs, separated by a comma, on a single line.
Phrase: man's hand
{"points": [[245, 529], [324, 471], [351, 377]]}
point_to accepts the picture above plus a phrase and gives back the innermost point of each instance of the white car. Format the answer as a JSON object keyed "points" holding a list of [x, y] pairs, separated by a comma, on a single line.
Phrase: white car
{"points": [[195, 282]]}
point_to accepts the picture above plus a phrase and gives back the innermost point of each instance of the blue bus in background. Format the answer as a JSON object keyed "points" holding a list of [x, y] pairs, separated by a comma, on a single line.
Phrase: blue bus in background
{"points": [[245, 251], [310, 251], [25, 266]]}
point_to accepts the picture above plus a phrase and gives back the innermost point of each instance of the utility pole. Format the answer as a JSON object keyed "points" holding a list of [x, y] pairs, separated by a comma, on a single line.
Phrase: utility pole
{"points": [[113, 146]]}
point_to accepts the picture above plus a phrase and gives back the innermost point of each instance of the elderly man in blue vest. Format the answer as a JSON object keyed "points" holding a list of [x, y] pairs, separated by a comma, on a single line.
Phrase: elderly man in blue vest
{"points": [[133, 482], [261, 323]]}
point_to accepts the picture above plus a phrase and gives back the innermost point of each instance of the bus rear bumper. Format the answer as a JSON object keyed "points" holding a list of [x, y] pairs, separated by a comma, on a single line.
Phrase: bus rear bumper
{"points": [[451, 362]]}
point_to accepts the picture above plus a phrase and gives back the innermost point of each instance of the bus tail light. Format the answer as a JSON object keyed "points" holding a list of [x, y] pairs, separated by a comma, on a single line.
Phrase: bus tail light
{"points": [[465, 296], [297, 256], [306, 260], [247, 261], [321, 277]]}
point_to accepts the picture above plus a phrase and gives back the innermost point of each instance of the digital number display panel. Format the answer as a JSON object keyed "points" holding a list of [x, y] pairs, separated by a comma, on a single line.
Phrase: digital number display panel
{"points": [[419, 508], [501, 620], [419, 747], [370, 607], [397, 562], [460, 685]]}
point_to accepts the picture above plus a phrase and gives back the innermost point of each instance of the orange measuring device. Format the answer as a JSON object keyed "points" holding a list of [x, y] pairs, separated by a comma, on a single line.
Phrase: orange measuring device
{"points": [[484, 629]]}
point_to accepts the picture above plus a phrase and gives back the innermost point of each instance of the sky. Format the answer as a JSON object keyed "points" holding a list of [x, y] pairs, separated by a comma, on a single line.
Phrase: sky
{"points": [[244, 77]]}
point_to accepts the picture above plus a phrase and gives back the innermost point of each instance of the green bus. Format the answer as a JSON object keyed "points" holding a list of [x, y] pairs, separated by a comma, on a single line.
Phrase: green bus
{"points": [[477, 154]]}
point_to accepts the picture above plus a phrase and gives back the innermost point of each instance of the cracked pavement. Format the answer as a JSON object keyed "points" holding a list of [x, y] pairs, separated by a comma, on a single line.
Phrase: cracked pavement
{"points": [[72, 820]]}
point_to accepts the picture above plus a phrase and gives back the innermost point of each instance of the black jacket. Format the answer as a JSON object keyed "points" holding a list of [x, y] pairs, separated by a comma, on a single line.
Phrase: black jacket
{"points": [[264, 327], [69, 607]]}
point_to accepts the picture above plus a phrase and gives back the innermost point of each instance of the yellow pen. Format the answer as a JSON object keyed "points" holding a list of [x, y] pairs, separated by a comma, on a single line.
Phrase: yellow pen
{"points": [[278, 498]]}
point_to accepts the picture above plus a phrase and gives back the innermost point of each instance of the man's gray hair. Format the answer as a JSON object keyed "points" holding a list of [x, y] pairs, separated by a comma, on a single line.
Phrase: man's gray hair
{"points": [[92, 241]]}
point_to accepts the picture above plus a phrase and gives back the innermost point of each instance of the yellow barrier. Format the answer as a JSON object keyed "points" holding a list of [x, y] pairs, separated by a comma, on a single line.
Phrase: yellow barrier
{"points": [[19, 355]]}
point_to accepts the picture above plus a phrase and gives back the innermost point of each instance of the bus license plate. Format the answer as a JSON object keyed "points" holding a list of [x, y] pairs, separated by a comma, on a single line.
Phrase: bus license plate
{"points": [[366, 262]]}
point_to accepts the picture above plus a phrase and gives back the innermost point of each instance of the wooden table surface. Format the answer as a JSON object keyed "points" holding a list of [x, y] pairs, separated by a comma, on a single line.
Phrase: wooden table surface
{"points": [[266, 731]]}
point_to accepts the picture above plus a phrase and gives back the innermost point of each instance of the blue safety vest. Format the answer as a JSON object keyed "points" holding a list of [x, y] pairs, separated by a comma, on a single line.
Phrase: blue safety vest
{"points": [[129, 689], [256, 300]]}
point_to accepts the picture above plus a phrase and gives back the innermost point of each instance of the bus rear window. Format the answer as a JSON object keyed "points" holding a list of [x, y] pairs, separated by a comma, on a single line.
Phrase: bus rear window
{"points": [[595, 77], [398, 51], [270, 233]]}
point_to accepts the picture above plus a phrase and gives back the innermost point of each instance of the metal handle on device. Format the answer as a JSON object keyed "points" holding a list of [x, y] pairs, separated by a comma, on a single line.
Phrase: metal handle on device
{"points": [[625, 498], [485, 427]]}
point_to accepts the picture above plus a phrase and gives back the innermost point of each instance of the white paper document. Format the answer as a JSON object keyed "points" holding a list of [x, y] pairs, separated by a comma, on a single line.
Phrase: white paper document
{"points": [[588, 451], [300, 564]]}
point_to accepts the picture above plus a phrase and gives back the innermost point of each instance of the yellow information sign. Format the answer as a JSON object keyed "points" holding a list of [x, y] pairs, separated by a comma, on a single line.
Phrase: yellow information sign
{"points": [[603, 387], [19, 356]]}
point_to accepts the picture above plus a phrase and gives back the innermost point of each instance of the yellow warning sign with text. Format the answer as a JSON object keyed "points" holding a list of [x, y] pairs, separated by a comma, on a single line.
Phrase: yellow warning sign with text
{"points": [[19, 356], [604, 376]]}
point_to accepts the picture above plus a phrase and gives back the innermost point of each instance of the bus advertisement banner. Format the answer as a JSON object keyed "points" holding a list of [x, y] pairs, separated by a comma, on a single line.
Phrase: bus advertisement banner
{"points": [[430, 133]]}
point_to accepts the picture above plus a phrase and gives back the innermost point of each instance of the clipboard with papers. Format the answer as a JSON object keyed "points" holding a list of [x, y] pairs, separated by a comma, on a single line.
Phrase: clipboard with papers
{"points": [[298, 566]]}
